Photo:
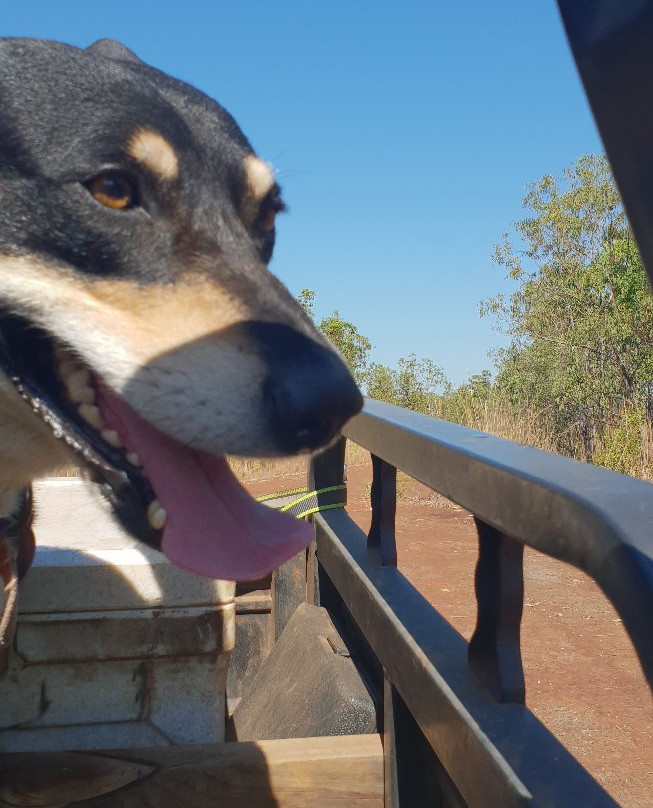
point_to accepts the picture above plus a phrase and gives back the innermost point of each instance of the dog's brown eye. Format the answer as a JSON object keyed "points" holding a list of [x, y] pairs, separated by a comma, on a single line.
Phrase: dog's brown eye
{"points": [[266, 220], [267, 215], [113, 190]]}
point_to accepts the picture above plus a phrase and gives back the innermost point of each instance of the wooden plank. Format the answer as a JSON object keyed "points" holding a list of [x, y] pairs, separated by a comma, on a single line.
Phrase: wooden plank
{"points": [[253, 643], [337, 772], [256, 602], [51, 779], [391, 788], [288, 591]]}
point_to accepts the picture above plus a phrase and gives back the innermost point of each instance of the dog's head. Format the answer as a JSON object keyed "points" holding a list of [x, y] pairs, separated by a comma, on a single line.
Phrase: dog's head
{"points": [[138, 318]]}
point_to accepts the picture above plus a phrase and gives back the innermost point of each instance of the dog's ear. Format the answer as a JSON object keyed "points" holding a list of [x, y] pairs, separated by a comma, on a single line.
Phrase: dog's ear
{"points": [[111, 49]]}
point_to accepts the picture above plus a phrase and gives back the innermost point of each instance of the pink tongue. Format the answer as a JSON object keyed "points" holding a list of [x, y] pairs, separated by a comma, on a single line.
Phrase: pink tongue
{"points": [[214, 528]]}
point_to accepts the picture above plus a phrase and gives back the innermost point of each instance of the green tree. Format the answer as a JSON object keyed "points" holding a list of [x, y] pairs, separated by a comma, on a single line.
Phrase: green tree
{"points": [[415, 384], [306, 299], [381, 383], [581, 317], [353, 346], [418, 383]]}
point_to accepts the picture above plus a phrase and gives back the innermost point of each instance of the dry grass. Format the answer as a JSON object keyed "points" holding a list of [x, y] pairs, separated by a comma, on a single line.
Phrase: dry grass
{"points": [[497, 417], [647, 450], [624, 441], [255, 469], [68, 471]]}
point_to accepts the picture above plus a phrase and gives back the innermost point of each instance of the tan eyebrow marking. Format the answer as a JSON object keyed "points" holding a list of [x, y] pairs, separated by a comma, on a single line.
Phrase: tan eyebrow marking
{"points": [[155, 153], [259, 176]]}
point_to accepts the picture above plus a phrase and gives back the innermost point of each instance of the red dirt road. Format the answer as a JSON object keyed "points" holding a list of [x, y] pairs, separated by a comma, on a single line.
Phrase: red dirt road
{"points": [[583, 680]]}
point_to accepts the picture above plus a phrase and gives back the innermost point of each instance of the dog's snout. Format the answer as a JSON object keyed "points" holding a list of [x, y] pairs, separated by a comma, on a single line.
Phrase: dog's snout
{"points": [[309, 392], [306, 414]]}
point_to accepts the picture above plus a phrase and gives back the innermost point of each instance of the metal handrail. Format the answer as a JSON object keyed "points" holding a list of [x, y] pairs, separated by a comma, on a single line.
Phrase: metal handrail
{"points": [[466, 701], [598, 520]]}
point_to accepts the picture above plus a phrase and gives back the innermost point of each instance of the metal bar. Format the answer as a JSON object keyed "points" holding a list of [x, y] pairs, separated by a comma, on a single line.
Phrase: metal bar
{"points": [[495, 754], [597, 520], [481, 774], [383, 498], [494, 650], [328, 468], [324, 470]]}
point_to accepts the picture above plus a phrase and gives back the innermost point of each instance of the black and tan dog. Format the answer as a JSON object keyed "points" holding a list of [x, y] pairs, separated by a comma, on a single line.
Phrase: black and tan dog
{"points": [[141, 332]]}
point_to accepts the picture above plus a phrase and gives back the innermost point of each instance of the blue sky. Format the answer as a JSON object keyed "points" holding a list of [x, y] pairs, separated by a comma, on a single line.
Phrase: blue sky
{"points": [[403, 136]]}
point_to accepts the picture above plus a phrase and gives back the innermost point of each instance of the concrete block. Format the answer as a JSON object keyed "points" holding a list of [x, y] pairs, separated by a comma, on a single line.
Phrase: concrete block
{"points": [[72, 513], [126, 634], [86, 562], [84, 693], [115, 647], [65, 580], [20, 695], [187, 699]]}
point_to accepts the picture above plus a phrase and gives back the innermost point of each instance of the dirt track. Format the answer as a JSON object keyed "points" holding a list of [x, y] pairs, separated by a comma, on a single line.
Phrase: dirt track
{"points": [[583, 679]]}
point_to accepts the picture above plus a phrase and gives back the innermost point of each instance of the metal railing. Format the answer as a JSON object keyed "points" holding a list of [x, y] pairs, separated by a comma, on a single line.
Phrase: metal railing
{"points": [[454, 718]]}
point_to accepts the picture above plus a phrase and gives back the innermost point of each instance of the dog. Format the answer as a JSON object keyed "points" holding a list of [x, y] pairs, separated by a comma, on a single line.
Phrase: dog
{"points": [[142, 335]]}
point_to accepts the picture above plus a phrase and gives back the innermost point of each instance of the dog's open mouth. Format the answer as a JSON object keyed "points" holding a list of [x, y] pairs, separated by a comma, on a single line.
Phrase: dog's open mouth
{"points": [[183, 501]]}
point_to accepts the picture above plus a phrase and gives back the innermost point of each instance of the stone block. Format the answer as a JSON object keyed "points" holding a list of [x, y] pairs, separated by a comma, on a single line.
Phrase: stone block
{"points": [[126, 634], [115, 647], [86, 562], [187, 699], [84, 693]]}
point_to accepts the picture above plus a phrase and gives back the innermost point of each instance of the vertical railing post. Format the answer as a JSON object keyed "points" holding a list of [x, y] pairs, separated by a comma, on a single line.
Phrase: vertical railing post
{"points": [[494, 651], [325, 469], [383, 498]]}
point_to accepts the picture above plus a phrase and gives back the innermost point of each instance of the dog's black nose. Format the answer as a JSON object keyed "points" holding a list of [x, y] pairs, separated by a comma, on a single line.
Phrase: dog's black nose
{"points": [[309, 390]]}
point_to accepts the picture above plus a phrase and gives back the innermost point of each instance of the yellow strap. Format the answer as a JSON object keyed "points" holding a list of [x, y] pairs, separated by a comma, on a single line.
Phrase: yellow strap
{"points": [[319, 508], [279, 494], [305, 497]]}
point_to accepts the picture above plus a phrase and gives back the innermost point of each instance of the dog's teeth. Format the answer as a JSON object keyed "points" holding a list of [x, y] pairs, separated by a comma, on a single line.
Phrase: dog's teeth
{"points": [[79, 378], [81, 395], [67, 368], [156, 514], [76, 378], [111, 437], [79, 382], [91, 414], [78, 385], [133, 458]]}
